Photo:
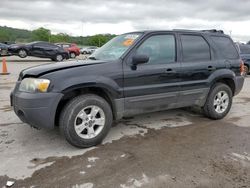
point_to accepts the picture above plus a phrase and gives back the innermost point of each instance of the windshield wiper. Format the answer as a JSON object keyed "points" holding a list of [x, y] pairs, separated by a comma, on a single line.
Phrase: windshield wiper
{"points": [[92, 57]]}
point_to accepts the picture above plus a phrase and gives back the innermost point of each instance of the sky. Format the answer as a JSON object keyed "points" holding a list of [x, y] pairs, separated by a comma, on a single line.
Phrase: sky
{"points": [[89, 17]]}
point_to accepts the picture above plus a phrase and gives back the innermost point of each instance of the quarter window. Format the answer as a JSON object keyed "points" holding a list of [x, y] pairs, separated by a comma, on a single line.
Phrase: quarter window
{"points": [[159, 48], [226, 46], [194, 48]]}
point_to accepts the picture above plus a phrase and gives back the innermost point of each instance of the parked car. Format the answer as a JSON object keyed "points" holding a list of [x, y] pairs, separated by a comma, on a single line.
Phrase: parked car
{"points": [[133, 73], [9, 42], [245, 55], [72, 49], [89, 50], [3, 49], [39, 49]]}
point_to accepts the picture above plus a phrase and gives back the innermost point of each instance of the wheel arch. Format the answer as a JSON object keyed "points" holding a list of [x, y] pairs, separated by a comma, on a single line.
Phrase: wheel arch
{"points": [[69, 94], [229, 81]]}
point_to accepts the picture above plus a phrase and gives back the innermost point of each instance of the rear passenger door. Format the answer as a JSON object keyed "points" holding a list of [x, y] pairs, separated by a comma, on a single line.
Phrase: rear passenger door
{"points": [[49, 50], [196, 67], [37, 49]]}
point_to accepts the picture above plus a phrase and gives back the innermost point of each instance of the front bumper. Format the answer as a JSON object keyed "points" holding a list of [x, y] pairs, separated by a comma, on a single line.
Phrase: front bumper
{"points": [[239, 81], [36, 109]]}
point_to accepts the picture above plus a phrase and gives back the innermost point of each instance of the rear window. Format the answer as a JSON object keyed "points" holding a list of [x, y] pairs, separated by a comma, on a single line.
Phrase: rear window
{"points": [[245, 49], [226, 46]]}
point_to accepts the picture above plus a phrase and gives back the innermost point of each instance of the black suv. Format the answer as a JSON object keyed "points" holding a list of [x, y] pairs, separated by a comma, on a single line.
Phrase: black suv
{"points": [[134, 73], [39, 49]]}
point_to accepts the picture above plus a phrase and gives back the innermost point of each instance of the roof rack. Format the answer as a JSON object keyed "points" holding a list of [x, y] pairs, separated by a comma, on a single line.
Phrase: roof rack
{"points": [[206, 30], [213, 31]]}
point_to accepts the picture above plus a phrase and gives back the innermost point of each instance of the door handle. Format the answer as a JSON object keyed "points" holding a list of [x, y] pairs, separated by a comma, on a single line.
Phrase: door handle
{"points": [[170, 71], [211, 68]]}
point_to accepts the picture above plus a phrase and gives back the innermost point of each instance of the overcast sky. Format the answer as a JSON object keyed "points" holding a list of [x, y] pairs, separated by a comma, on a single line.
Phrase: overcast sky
{"points": [[88, 17]]}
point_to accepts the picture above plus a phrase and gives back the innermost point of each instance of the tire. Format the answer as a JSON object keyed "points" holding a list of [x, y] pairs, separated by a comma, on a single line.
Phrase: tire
{"points": [[59, 57], [74, 109], [72, 55], [246, 70], [215, 106], [22, 53], [84, 52]]}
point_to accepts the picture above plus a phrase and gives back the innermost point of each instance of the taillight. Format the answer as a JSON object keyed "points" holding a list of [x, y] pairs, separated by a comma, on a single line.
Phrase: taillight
{"points": [[242, 68]]}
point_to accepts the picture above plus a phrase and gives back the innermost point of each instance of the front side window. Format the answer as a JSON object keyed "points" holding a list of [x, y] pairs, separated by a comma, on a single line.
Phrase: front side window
{"points": [[194, 48], [159, 48]]}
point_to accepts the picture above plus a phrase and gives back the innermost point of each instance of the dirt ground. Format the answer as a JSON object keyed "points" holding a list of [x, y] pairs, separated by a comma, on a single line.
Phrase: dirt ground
{"points": [[175, 148]]}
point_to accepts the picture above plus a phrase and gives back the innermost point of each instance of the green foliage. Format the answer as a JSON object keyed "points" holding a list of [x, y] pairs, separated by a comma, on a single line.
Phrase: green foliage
{"points": [[4, 36], [12, 34], [99, 40], [61, 37], [43, 34]]}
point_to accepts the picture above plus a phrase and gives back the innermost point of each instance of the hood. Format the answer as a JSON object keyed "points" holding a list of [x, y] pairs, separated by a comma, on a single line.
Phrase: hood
{"points": [[52, 67]]}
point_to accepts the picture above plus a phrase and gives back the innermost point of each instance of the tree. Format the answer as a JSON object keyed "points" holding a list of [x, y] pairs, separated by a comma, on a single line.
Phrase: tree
{"points": [[41, 34], [99, 40], [4, 36], [61, 37]]}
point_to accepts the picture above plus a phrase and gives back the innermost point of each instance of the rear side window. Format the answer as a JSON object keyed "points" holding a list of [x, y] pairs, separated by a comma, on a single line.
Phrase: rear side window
{"points": [[226, 47], [195, 48]]}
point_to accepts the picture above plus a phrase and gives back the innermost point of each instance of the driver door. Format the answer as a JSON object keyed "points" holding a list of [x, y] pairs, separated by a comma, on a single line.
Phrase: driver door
{"points": [[154, 85]]}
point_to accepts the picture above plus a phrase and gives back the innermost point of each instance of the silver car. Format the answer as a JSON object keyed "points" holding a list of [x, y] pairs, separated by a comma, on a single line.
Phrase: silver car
{"points": [[88, 50]]}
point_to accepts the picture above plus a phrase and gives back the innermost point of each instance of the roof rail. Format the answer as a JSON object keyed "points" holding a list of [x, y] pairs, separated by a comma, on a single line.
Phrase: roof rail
{"points": [[206, 30], [213, 31], [188, 30]]}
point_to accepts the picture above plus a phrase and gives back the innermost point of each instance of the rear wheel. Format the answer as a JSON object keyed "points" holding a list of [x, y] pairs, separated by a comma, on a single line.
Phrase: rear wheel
{"points": [[22, 53], [219, 101], [246, 70], [86, 120], [72, 55], [59, 57]]}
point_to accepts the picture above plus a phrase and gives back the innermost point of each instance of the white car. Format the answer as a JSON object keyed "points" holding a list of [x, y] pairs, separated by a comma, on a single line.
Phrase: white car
{"points": [[88, 50]]}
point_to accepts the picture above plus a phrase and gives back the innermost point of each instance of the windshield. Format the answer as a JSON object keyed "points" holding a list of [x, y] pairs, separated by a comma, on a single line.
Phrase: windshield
{"points": [[115, 48]]}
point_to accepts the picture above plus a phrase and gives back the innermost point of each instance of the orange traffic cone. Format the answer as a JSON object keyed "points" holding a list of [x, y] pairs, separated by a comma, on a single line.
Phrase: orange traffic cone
{"points": [[4, 68]]}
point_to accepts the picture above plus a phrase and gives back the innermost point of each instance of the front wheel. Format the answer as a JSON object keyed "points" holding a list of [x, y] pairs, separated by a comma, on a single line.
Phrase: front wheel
{"points": [[219, 101], [85, 121]]}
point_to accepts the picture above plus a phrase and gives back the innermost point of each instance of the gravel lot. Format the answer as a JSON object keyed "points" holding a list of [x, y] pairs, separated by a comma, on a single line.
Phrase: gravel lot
{"points": [[175, 148]]}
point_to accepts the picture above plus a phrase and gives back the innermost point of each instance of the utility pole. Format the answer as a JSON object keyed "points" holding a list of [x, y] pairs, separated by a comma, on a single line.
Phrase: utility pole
{"points": [[82, 30]]}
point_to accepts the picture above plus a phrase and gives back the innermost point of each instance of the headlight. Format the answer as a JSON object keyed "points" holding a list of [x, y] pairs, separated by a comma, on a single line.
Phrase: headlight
{"points": [[33, 85]]}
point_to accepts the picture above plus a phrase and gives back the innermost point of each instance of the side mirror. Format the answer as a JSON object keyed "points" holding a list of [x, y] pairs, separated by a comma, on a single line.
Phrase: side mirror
{"points": [[140, 59]]}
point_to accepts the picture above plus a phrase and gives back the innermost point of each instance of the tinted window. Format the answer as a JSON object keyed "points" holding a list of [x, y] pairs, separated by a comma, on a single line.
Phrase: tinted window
{"points": [[195, 48], [45, 45], [66, 45], [245, 49], [226, 47], [159, 48]]}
